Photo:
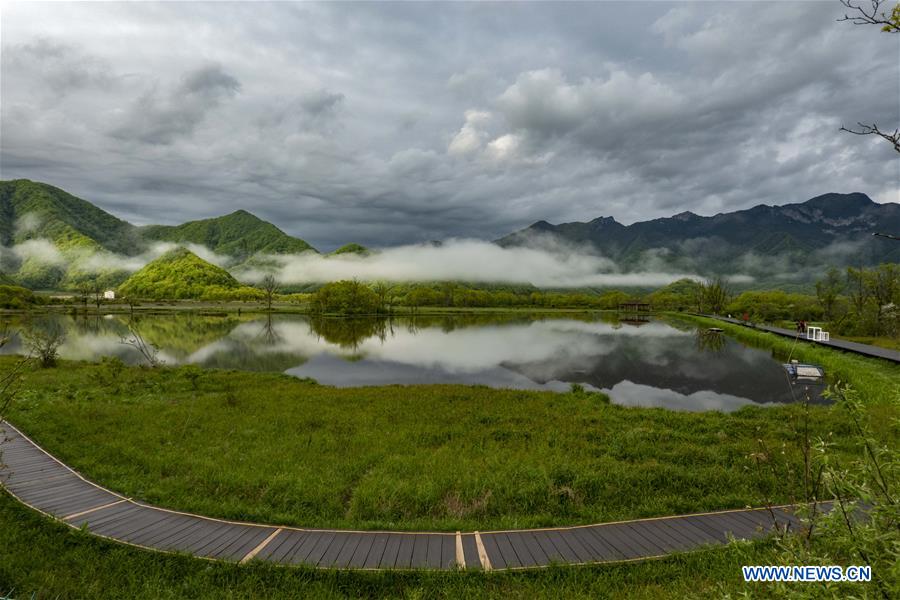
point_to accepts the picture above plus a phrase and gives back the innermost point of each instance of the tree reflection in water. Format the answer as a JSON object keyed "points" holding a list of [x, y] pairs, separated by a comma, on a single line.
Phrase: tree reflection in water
{"points": [[710, 341]]}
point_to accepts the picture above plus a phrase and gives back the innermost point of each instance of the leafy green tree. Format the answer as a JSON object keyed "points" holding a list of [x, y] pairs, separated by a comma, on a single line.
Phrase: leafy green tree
{"points": [[828, 291], [346, 297], [715, 294]]}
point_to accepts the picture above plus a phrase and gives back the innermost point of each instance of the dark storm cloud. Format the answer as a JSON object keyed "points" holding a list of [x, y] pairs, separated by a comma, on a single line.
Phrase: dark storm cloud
{"points": [[160, 117], [320, 102], [388, 123]]}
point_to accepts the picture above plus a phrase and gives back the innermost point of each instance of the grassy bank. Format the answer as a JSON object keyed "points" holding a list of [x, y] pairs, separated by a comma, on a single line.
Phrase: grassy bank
{"points": [[877, 380], [50, 560], [270, 448]]}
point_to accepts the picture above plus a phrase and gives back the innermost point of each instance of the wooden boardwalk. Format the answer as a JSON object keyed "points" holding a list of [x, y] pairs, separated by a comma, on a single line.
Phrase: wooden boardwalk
{"points": [[864, 349], [45, 484]]}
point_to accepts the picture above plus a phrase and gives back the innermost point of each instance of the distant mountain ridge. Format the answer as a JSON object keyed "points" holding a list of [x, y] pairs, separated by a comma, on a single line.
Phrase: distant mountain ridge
{"points": [[833, 229], [52, 231]]}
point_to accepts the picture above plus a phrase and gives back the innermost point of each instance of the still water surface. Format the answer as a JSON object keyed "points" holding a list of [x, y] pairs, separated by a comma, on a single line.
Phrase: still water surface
{"points": [[659, 363]]}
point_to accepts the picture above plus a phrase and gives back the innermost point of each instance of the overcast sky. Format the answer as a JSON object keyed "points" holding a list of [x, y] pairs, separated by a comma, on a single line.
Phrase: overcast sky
{"points": [[393, 123]]}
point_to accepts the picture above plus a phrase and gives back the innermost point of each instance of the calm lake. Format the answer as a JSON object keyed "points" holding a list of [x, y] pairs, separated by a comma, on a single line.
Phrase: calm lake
{"points": [[662, 363]]}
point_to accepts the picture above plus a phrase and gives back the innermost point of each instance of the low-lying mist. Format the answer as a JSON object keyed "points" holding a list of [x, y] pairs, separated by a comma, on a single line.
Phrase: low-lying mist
{"points": [[464, 260], [548, 266]]}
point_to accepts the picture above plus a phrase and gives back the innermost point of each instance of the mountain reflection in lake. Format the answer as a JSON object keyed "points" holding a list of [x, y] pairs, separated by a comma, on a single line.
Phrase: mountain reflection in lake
{"points": [[655, 363]]}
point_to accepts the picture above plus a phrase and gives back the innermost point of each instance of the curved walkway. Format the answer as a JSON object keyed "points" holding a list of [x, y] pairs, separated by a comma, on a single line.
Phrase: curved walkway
{"points": [[43, 483], [837, 344]]}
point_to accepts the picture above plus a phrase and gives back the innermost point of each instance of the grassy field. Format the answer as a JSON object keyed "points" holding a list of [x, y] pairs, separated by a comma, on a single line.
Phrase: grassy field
{"points": [[53, 561], [270, 448]]}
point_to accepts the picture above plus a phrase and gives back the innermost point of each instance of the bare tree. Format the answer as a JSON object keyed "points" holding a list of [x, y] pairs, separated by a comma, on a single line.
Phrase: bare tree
{"points": [[270, 335], [893, 138], [874, 15], [269, 285], [84, 292], [872, 12], [131, 302], [148, 350], [98, 295]]}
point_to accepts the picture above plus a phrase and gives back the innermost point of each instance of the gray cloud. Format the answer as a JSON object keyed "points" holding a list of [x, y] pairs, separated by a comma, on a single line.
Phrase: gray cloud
{"points": [[160, 117], [443, 120]]}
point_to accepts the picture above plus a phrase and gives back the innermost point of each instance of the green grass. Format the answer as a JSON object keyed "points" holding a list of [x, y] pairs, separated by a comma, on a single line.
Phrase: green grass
{"points": [[270, 448], [50, 560]]}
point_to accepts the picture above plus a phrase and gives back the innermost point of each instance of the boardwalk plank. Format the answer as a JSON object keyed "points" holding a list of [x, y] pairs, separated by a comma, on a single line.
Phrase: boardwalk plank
{"points": [[470, 552], [600, 549], [349, 549], [64, 507], [613, 537], [562, 547], [582, 553], [391, 551], [200, 538], [339, 540], [492, 550], [546, 543], [448, 551], [249, 538], [434, 551], [286, 545], [233, 538], [506, 550], [649, 534], [685, 530], [376, 552], [178, 538], [319, 548], [177, 527], [358, 560], [123, 530], [145, 535], [302, 553], [420, 551], [102, 516], [63, 490], [405, 552]]}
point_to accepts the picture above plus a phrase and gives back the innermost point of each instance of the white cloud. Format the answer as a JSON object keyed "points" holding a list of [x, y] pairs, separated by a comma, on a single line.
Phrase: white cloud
{"points": [[472, 134], [466, 260]]}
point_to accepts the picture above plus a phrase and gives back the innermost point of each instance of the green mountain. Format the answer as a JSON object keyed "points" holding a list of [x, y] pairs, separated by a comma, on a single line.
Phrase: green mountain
{"points": [[54, 230], [63, 242], [239, 234], [351, 249], [30, 210], [180, 274]]}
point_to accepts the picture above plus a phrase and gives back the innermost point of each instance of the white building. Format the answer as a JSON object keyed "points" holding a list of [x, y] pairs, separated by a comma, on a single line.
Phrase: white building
{"points": [[109, 295]]}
